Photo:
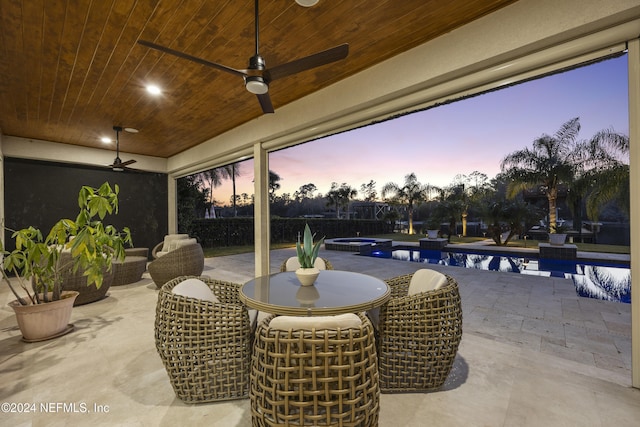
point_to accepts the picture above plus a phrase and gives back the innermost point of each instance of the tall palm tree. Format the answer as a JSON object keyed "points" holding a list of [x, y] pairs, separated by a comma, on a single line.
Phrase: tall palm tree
{"points": [[411, 194], [609, 178], [212, 178], [552, 160], [340, 196], [591, 169]]}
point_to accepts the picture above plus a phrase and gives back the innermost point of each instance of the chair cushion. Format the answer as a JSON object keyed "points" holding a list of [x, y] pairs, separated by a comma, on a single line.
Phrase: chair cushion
{"points": [[342, 321], [170, 238], [195, 288], [293, 264], [182, 242], [426, 280]]}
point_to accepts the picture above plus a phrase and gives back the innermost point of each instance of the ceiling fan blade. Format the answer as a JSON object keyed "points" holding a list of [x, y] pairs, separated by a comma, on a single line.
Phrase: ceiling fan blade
{"points": [[191, 58], [127, 163], [265, 103], [317, 59]]}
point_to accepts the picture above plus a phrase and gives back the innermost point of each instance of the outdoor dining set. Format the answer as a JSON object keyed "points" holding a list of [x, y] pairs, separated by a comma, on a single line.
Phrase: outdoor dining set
{"points": [[307, 355]]}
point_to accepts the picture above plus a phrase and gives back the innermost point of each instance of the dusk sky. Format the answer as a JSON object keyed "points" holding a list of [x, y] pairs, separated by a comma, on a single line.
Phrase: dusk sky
{"points": [[458, 138]]}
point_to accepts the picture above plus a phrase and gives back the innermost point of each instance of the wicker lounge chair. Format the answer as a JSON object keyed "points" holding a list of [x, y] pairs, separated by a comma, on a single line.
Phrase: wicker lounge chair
{"points": [[137, 252], [167, 244], [129, 270], [205, 346], [321, 377], [185, 261], [293, 264], [418, 336], [76, 281]]}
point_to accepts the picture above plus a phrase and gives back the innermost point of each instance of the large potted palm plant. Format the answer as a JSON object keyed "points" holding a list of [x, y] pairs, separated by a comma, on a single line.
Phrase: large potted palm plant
{"points": [[43, 312]]}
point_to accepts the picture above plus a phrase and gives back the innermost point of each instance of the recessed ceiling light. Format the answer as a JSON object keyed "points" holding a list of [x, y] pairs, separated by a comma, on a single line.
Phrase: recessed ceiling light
{"points": [[307, 3], [153, 90], [105, 140]]}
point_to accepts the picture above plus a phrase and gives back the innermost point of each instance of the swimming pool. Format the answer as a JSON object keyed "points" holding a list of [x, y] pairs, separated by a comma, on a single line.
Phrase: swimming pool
{"points": [[598, 280]]}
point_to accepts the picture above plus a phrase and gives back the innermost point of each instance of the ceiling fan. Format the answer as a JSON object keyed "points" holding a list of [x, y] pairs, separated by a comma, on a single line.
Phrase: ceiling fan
{"points": [[118, 165], [257, 77]]}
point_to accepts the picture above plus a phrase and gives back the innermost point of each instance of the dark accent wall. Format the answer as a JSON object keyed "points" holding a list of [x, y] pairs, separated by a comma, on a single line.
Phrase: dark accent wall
{"points": [[40, 193]]}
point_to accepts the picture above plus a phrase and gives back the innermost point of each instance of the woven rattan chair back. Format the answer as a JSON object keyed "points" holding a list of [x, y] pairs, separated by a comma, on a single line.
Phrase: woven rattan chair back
{"points": [[314, 378], [205, 347], [418, 337], [184, 261]]}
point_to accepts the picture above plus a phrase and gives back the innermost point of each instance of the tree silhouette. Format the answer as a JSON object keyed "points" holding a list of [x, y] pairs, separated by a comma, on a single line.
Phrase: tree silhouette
{"points": [[340, 196], [561, 159], [369, 191], [410, 194], [274, 185]]}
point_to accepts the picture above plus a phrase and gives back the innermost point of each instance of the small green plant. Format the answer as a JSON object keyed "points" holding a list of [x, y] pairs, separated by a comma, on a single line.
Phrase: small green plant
{"points": [[433, 223], [308, 251], [560, 228], [92, 245]]}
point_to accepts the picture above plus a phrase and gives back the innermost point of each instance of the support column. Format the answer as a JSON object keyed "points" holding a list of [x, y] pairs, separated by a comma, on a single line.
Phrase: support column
{"points": [[261, 216], [172, 205], [634, 172], [634, 177]]}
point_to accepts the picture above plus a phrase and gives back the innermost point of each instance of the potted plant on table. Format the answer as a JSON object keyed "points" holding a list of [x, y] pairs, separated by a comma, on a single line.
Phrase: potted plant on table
{"points": [[307, 254], [39, 266]]}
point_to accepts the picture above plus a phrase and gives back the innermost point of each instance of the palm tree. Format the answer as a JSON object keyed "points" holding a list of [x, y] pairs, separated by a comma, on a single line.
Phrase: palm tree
{"points": [[212, 178], [340, 196], [553, 160], [609, 178], [410, 194], [590, 168]]}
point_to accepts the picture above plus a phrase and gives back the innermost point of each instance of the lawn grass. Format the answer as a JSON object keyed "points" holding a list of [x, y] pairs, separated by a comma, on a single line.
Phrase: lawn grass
{"points": [[403, 237], [234, 250]]}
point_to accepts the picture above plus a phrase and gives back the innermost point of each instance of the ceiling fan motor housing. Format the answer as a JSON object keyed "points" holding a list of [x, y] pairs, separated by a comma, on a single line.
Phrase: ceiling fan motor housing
{"points": [[256, 62]]}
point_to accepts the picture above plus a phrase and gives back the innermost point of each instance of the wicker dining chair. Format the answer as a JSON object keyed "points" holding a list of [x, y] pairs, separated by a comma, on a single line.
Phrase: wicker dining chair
{"points": [[205, 346], [315, 375], [186, 260], [418, 336], [291, 264]]}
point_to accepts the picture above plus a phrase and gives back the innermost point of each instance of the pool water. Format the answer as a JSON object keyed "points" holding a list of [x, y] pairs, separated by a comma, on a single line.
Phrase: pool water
{"points": [[610, 282]]}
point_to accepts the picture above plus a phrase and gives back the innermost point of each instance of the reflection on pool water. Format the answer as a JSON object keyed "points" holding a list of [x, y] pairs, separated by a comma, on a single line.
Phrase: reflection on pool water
{"points": [[592, 279]]}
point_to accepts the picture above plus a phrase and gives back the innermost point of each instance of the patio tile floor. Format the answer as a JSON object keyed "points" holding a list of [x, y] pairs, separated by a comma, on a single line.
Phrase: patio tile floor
{"points": [[532, 354]]}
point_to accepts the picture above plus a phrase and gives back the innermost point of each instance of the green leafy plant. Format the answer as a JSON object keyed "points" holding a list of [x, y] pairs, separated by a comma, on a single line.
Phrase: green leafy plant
{"points": [[560, 228], [308, 250], [93, 247]]}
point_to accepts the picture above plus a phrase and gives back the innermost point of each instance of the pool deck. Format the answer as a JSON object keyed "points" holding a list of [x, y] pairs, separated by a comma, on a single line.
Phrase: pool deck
{"points": [[533, 353]]}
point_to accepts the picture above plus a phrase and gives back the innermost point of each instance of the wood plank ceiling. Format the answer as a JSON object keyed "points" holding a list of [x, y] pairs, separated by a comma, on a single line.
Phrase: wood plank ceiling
{"points": [[71, 70]]}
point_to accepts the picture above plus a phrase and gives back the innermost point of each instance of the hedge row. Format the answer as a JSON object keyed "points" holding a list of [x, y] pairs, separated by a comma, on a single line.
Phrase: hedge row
{"points": [[239, 231]]}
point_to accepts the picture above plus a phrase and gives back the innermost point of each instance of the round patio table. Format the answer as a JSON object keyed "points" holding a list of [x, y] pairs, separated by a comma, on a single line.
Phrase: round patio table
{"points": [[334, 292]]}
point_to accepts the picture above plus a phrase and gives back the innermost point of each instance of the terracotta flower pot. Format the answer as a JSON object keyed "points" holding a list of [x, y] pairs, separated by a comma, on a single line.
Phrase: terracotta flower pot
{"points": [[39, 322]]}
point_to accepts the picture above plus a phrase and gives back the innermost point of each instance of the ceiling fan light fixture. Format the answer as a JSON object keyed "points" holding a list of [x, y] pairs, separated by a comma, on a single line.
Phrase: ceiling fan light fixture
{"points": [[307, 3], [256, 85]]}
